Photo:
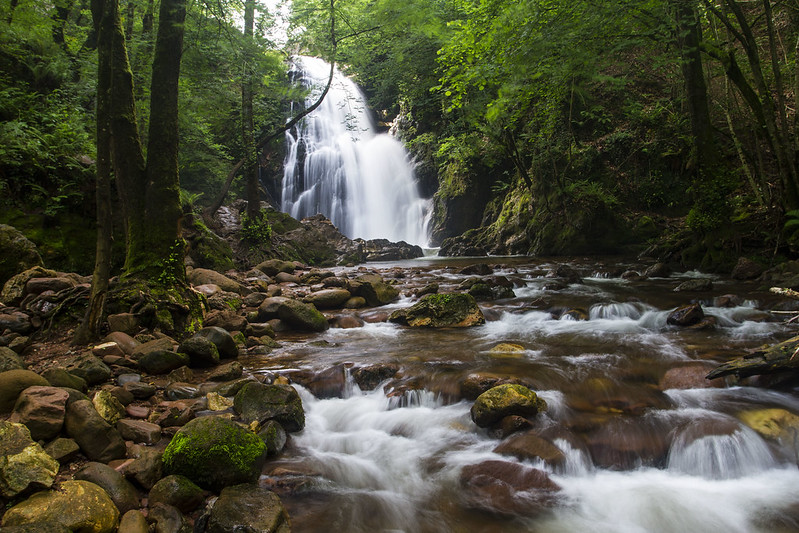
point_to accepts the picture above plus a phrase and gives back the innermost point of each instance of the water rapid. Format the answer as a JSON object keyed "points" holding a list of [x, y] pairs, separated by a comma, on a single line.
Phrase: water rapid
{"points": [[637, 440], [336, 164]]}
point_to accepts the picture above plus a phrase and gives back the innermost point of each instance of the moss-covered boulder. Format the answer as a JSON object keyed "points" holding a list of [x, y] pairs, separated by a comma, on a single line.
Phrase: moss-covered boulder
{"points": [[374, 289], [201, 351], [302, 316], [77, 505], [457, 310], [206, 249], [505, 400], [9, 360], [17, 253], [14, 288], [178, 491], [328, 298], [215, 452], [224, 342], [256, 402], [24, 465], [271, 267]]}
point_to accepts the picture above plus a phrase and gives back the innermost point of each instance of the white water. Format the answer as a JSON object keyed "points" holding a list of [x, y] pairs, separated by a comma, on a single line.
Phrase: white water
{"points": [[337, 165]]}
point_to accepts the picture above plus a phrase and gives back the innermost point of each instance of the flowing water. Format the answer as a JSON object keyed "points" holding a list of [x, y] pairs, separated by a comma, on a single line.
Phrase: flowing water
{"points": [[337, 165], [646, 445]]}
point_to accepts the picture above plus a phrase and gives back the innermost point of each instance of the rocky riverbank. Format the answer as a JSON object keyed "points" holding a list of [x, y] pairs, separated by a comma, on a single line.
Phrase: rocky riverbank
{"points": [[142, 429]]}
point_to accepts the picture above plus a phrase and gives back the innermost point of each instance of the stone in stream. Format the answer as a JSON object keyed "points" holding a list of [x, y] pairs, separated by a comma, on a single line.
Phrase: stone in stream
{"points": [[328, 298], [258, 402], [529, 446], [694, 285], [248, 507], [372, 288], [215, 452], [456, 310], [504, 400], [508, 489], [77, 505], [686, 315]]}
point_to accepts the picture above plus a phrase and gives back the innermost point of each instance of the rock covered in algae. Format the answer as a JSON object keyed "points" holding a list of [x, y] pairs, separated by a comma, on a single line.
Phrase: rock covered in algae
{"points": [[456, 310], [505, 400], [77, 505], [248, 508], [24, 464], [214, 453]]}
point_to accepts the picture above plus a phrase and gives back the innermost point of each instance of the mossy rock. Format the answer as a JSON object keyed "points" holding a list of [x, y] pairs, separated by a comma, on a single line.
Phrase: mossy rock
{"points": [[214, 453], [206, 249], [17, 253], [178, 491], [505, 400], [456, 310], [256, 402]]}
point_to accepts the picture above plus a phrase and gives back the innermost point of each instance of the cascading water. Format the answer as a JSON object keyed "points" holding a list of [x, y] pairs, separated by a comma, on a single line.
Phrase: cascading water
{"points": [[337, 165]]}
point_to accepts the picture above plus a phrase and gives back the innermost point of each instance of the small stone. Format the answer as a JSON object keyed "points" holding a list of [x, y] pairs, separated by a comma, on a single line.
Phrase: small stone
{"points": [[110, 408], [139, 431], [218, 403]]}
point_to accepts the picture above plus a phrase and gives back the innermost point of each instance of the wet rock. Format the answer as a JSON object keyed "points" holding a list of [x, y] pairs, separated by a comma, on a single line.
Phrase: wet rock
{"points": [[687, 377], [328, 298], [605, 396], [97, 439], [108, 407], [347, 322], [774, 424], [686, 315], [632, 275], [658, 270], [25, 465], [529, 446], [301, 316], [356, 302], [222, 339], [274, 436], [179, 390], [158, 362], [504, 400], [329, 383], [178, 491], [121, 491], [41, 410], [214, 453], [17, 253], [90, 368], [259, 402], [248, 507], [62, 450], [441, 310], [139, 431], [369, 377], [507, 350], [508, 488], [622, 444], [77, 505], [204, 276], [694, 285], [201, 351], [60, 377], [13, 382], [374, 290], [512, 424], [227, 320], [565, 273], [9, 360], [385, 250], [477, 269], [747, 269], [476, 384], [728, 301], [487, 290]]}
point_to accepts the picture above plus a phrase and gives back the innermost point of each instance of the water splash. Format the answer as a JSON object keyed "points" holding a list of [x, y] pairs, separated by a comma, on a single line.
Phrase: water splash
{"points": [[336, 164]]}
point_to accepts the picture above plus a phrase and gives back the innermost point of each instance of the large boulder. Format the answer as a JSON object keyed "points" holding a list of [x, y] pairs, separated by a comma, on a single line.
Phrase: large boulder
{"points": [[91, 368], [686, 315], [61, 377], [215, 452], [505, 400], [17, 253], [507, 488], [13, 382], [178, 491], [224, 342], [374, 290], [256, 402], [24, 465], [9, 360], [328, 298], [248, 507], [121, 491], [41, 410], [203, 276], [16, 322], [271, 267], [297, 314], [529, 446], [77, 505], [98, 440], [163, 361], [201, 351], [441, 311], [746, 269]]}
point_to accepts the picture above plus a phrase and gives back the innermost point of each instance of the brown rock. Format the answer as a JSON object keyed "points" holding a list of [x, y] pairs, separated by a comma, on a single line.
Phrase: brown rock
{"points": [[508, 488], [42, 410], [529, 446]]}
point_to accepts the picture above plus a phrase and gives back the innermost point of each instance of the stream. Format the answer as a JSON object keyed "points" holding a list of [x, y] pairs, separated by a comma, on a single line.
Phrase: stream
{"points": [[645, 443]]}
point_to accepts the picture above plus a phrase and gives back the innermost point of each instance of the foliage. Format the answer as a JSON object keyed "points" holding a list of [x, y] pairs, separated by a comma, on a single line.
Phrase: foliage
{"points": [[256, 231]]}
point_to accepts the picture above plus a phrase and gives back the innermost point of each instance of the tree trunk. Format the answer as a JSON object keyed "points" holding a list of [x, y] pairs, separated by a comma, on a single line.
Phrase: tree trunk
{"points": [[89, 328], [247, 126]]}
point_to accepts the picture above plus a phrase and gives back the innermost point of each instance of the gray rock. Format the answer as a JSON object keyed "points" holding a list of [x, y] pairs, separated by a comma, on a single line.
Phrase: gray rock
{"points": [[62, 450], [140, 390], [274, 436], [122, 493], [178, 491], [259, 402], [222, 340], [146, 469], [91, 368], [16, 322], [201, 351]]}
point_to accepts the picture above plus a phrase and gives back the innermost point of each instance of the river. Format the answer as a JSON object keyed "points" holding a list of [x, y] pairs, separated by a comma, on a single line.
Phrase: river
{"points": [[644, 443]]}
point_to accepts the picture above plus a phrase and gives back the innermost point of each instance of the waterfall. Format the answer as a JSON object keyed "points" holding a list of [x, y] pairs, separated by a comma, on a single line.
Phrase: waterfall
{"points": [[338, 165]]}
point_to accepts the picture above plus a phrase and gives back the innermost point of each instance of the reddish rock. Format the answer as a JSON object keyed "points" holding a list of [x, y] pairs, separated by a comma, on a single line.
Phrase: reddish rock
{"points": [[41, 410], [688, 377], [508, 488], [529, 446]]}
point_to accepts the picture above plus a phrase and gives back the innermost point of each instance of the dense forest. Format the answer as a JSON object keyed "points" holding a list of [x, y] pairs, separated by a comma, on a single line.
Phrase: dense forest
{"points": [[537, 127]]}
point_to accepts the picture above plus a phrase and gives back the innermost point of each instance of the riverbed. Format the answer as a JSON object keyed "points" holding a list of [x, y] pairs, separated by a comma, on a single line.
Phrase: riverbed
{"points": [[646, 443]]}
